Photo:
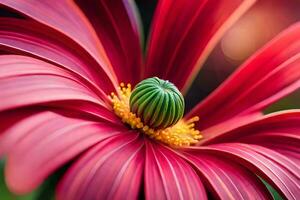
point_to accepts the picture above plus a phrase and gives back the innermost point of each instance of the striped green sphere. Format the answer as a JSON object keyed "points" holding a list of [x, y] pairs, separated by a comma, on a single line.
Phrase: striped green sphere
{"points": [[157, 102]]}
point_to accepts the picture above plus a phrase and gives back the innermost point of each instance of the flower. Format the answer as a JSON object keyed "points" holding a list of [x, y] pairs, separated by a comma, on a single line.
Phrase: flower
{"points": [[65, 58]]}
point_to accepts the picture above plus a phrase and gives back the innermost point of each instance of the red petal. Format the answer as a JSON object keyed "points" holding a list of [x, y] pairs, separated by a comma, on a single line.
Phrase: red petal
{"points": [[286, 146], [183, 34], [279, 132], [278, 158], [25, 81], [281, 177], [227, 180], [17, 123], [37, 40], [10, 118], [167, 176], [110, 170], [69, 20], [291, 152], [270, 74], [280, 125], [118, 32], [44, 142]]}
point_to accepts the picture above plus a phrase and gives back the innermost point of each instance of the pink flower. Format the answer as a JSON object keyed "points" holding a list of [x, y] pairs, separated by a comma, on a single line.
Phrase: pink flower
{"points": [[64, 60]]}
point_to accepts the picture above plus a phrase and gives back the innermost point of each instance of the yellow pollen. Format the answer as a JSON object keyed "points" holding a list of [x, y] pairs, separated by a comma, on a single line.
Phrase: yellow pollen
{"points": [[182, 133]]}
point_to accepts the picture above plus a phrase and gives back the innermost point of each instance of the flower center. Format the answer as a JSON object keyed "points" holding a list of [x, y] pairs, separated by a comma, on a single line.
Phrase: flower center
{"points": [[158, 103], [155, 107]]}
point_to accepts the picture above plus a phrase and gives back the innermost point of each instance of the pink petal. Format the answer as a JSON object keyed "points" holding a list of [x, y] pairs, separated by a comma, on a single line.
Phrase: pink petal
{"points": [[45, 141], [227, 180], [270, 74], [15, 65], [29, 90], [118, 32], [291, 152], [280, 177], [17, 123], [278, 132], [8, 119], [38, 40], [278, 158], [25, 81], [277, 125], [183, 35], [110, 170], [167, 176], [86, 110], [284, 142], [69, 20], [20, 126]]}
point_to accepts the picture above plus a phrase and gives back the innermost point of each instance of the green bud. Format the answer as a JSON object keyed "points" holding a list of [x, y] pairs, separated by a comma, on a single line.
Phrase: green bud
{"points": [[157, 102]]}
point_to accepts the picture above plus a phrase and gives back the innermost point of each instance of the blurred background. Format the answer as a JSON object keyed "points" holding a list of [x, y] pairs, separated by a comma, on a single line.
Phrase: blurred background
{"points": [[256, 27]]}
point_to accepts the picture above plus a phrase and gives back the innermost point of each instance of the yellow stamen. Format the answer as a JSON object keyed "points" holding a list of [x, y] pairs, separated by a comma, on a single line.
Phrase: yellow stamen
{"points": [[182, 133]]}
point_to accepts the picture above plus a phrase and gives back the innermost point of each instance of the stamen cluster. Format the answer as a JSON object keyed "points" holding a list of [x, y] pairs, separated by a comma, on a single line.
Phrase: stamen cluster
{"points": [[182, 133]]}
